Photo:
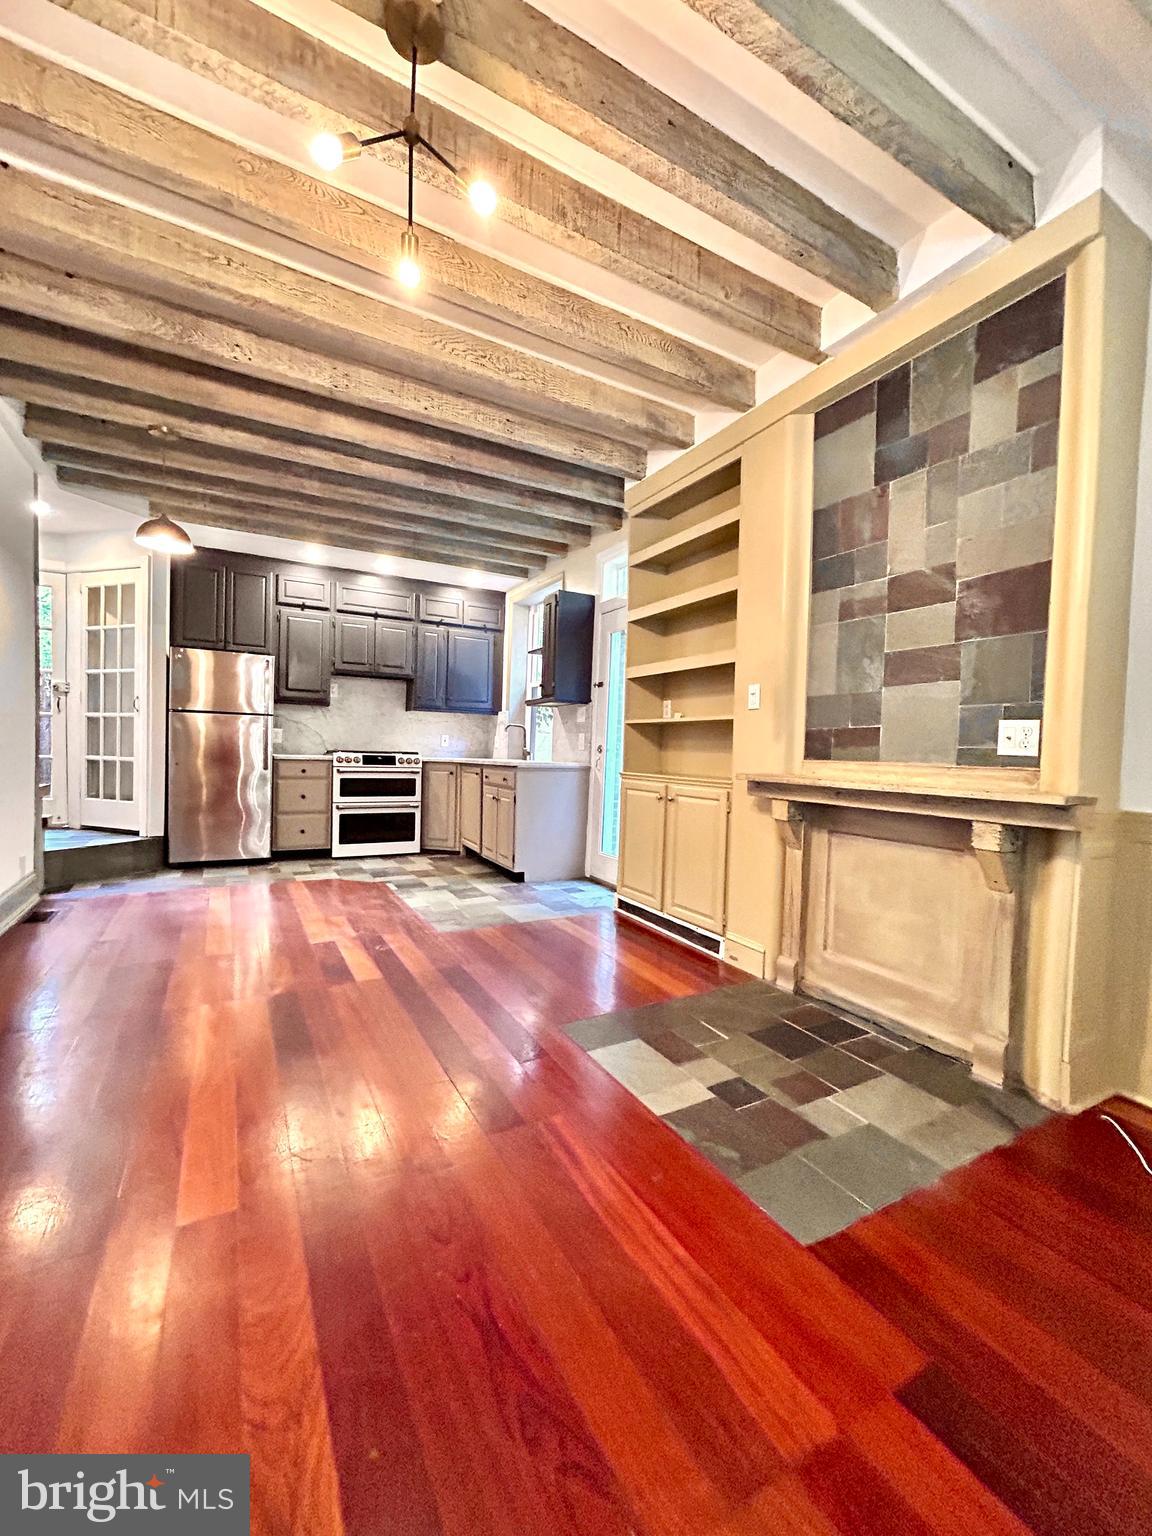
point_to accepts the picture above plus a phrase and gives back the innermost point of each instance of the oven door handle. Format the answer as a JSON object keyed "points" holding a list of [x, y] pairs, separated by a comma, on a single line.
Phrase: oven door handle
{"points": [[375, 805]]}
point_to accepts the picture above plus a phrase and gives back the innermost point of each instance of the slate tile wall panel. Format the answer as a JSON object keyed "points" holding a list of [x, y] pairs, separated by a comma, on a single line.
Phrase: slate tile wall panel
{"points": [[935, 504]]}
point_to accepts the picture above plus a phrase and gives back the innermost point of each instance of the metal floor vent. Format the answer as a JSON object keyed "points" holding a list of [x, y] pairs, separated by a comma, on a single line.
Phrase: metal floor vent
{"points": [[40, 917]]}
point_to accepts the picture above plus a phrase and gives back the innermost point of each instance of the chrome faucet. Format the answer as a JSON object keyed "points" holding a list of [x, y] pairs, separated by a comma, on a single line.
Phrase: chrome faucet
{"points": [[523, 729]]}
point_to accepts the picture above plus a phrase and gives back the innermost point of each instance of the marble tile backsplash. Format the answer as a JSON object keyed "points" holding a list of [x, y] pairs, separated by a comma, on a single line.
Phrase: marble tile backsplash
{"points": [[368, 713]]}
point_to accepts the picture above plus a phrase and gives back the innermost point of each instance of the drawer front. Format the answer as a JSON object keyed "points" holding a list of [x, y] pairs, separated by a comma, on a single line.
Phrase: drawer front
{"points": [[308, 830], [500, 778], [302, 795], [309, 768]]}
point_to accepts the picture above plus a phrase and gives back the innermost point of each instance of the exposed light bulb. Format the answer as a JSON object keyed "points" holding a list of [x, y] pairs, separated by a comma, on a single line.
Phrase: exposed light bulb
{"points": [[408, 263], [330, 150], [39, 507], [482, 196]]}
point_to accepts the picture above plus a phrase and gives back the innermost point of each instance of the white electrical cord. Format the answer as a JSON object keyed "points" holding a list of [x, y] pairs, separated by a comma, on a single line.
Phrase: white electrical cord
{"points": [[1143, 1160]]}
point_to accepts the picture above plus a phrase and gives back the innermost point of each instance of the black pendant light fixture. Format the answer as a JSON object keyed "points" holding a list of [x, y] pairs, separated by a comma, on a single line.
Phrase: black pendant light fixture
{"points": [[416, 31], [159, 532]]}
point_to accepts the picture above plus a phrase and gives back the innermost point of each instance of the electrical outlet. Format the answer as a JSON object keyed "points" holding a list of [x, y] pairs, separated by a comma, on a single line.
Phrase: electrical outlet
{"points": [[444, 741], [1018, 738], [582, 715], [335, 694], [277, 736], [753, 695], [581, 741], [666, 710]]}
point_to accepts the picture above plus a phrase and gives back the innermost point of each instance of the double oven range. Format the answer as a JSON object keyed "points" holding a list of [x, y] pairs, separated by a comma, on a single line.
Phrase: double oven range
{"points": [[375, 803]]}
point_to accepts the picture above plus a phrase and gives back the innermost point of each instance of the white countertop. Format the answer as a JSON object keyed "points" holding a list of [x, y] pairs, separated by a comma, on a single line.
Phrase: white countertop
{"points": [[507, 762]]}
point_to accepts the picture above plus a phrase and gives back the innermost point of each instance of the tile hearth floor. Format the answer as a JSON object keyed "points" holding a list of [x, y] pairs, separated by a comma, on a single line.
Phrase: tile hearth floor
{"points": [[450, 891], [818, 1117]]}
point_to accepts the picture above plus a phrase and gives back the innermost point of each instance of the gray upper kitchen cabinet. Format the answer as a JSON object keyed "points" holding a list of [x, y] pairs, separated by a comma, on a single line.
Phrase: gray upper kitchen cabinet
{"points": [[382, 597], [370, 647], [473, 610], [303, 588], [457, 670], [222, 604], [303, 658]]}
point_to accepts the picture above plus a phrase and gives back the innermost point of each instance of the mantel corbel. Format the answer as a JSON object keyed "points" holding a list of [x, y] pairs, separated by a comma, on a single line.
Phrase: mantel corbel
{"points": [[997, 848]]}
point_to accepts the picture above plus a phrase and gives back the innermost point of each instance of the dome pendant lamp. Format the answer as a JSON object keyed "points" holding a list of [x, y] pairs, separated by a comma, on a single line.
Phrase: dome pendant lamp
{"points": [[416, 31]]}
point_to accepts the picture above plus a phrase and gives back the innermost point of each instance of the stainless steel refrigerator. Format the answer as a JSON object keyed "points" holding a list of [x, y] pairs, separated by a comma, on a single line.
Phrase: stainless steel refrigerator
{"points": [[219, 756]]}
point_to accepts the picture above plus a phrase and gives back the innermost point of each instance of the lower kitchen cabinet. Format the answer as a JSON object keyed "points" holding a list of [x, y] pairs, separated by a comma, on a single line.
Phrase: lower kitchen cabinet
{"points": [[440, 808], [471, 806], [303, 658], [301, 804], [674, 849], [499, 825]]}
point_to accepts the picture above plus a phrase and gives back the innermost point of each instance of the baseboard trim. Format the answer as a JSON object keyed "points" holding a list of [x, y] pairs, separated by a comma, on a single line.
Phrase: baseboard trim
{"points": [[672, 928], [19, 901]]}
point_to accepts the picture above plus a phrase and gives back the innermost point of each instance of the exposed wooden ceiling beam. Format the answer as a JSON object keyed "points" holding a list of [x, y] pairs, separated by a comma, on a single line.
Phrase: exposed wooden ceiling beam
{"points": [[31, 288], [207, 475], [301, 520], [55, 105], [835, 59], [519, 53], [94, 237], [100, 372], [245, 48], [56, 408]]}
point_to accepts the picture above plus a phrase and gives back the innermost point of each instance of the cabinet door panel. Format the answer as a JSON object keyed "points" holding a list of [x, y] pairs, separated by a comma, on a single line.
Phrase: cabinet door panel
{"points": [[441, 607], [471, 807], [490, 824], [483, 613], [395, 648], [303, 589], [304, 658], [428, 685], [439, 811], [368, 594], [696, 856], [470, 682], [248, 612], [199, 600], [354, 642], [641, 876], [506, 827]]}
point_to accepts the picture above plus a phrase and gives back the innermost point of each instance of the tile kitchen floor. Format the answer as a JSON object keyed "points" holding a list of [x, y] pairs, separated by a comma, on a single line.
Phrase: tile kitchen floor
{"points": [[819, 1117], [450, 891]]}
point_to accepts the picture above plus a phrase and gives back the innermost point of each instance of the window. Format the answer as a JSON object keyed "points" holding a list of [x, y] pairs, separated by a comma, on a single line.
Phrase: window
{"points": [[614, 577], [534, 678], [543, 725]]}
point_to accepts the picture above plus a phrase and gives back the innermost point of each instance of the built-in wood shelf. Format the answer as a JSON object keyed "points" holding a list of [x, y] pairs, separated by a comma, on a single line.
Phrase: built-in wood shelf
{"points": [[697, 597], [678, 719], [713, 533], [698, 663]]}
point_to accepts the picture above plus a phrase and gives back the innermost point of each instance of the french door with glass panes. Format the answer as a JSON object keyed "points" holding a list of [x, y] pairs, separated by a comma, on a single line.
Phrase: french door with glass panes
{"points": [[108, 687], [52, 697]]}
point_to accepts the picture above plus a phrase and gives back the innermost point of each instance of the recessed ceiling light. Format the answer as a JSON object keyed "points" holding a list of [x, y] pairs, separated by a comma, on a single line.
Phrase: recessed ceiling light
{"points": [[314, 553]]}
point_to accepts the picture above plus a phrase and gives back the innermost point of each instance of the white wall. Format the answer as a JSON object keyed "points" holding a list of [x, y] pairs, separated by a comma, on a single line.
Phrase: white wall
{"points": [[1136, 774], [19, 805]]}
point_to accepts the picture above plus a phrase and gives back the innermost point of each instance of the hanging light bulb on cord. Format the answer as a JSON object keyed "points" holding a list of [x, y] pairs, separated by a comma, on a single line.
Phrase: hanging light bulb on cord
{"points": [[408, 263]]}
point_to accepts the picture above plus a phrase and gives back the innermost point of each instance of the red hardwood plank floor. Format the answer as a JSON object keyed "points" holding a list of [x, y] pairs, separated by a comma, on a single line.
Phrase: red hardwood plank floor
{"points": [[284, 1170]]}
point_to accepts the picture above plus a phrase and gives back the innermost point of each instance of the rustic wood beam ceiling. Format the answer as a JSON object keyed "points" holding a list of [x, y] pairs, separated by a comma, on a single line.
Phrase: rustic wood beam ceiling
{"points": [[149, 257], [56, 409], [32, 288], [236, 44], [835, 59], [290, 491], [101, 375], [55, 105], [64, 430], [523, 56]]}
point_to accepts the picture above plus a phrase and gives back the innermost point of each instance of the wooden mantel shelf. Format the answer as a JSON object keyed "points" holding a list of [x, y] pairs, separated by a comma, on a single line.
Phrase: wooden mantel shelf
{"points": [[1018, 807]]}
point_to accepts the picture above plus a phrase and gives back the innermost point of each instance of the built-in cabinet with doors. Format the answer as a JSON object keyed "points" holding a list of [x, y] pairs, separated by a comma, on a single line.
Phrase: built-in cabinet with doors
{"points": [[439, 808], [445, 642], [528, 819], [679, 708], [560, 649]]}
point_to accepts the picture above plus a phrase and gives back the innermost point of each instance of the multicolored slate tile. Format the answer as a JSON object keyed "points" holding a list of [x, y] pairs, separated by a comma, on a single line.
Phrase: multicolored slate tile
{"points": [[935, 496]]}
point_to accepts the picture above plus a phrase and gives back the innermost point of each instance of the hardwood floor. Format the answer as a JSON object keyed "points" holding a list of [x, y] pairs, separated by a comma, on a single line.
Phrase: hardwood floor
{"points": [[284, 1170]]}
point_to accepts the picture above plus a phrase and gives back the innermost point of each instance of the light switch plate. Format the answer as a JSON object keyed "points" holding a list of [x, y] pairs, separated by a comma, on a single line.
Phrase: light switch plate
{"points": [[1018, 738], [753, 695], [666, 709]]}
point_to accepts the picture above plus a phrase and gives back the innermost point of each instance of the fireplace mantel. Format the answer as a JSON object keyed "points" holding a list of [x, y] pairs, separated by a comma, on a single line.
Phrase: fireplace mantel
{"points": [[1007, 805]]}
